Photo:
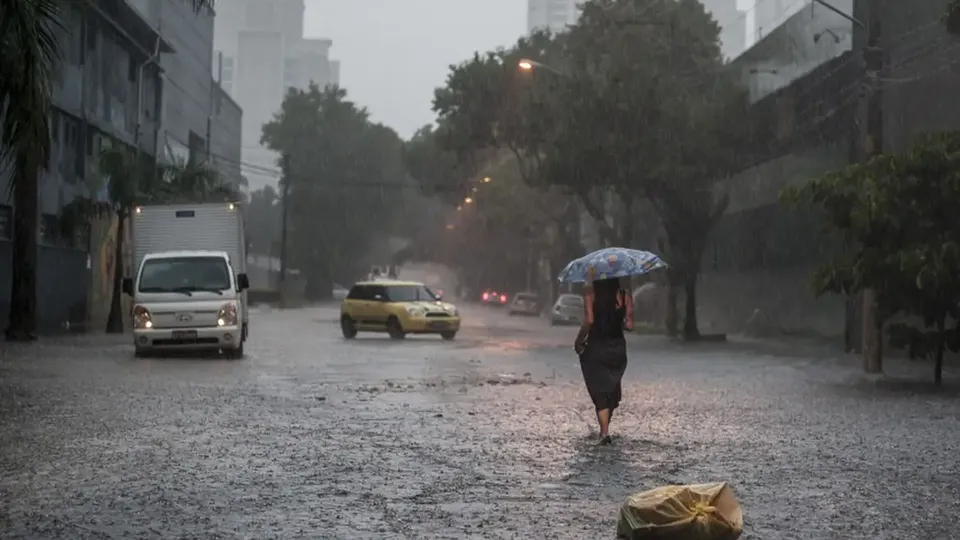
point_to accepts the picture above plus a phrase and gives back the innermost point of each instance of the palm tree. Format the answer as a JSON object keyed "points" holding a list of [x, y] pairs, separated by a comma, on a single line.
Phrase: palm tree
{"points": [[30, 51]]}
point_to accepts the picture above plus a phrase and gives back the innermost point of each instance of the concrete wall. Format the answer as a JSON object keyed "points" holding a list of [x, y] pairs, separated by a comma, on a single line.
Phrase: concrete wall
{"points": [[923, 82], [808, 38]]}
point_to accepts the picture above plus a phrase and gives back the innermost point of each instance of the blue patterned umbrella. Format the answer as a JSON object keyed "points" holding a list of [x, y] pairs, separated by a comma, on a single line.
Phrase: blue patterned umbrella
{"points": [[612, 262]]}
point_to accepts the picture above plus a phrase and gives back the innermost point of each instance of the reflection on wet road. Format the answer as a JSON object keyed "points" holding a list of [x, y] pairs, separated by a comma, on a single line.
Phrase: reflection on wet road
{"points": [[485, 437]]}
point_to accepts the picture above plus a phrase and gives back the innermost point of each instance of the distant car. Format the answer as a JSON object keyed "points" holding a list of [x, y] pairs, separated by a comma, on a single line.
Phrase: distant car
{"points": [[493, 298], [525, 303], [397, 308], [339, 292], [568, 309]]}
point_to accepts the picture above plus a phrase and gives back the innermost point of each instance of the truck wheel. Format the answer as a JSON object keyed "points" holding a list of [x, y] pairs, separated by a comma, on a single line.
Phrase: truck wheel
{"points": [[236, 353], [348, 327], [394, 329], [448, 335]]}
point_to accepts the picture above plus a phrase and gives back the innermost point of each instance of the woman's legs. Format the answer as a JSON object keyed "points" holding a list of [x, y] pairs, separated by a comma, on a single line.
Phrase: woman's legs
{"points": [[603, 417]]}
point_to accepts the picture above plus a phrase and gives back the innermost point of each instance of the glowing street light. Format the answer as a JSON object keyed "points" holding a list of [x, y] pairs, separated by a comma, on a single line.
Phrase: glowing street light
{"points": [[468, 200], [486, 180], [449, 226], [459, 208], [474, 189], [526, 64]]}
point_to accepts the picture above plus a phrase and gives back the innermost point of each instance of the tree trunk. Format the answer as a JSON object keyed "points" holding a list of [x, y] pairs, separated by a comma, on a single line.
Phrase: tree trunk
{"points": [[22, 325], [941, 344], [115, 318], [319, 284], [672, 315], [691, 332], [872, 333]]}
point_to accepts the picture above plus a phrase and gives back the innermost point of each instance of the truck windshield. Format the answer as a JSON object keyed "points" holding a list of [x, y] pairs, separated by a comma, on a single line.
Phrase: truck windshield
{"points": [[185, 274]]}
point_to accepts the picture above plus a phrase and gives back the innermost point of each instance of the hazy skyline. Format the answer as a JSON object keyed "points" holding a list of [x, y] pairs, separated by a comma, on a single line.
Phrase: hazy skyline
{"points": [[393, 53]]}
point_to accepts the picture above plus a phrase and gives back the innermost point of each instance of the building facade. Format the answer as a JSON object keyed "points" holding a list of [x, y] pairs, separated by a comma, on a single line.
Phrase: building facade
{"points": [[97, 95], [264, 53], [133, 74], [553, 15], [733, 26], [807, 115]]}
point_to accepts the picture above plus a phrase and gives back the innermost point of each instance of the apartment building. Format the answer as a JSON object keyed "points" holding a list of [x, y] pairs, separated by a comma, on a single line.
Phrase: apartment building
{"points": [[263, 54]]}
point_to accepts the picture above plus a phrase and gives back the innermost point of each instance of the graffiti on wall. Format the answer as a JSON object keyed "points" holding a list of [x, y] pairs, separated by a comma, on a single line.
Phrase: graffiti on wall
{"points": [[103, 238]]}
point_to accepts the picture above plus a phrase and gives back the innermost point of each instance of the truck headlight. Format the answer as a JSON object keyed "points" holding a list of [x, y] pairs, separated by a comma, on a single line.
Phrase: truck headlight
{"points": [[227, 315], [142, 318], [416, 311]]}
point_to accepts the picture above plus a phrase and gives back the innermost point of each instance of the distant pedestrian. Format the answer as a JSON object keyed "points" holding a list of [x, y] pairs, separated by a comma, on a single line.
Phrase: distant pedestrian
{"points": [[608, 310]]}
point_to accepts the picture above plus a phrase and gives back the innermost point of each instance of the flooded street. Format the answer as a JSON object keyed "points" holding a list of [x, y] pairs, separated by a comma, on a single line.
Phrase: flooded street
{"points": [[488, 436]]}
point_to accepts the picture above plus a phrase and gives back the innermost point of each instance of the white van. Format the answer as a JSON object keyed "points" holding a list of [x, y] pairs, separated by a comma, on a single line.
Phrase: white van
{"points": [[189, 287]]}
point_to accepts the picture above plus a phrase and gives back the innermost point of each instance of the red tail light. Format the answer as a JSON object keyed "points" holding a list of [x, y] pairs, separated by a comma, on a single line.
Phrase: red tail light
{"points": [[503, 299], [486, 296]]}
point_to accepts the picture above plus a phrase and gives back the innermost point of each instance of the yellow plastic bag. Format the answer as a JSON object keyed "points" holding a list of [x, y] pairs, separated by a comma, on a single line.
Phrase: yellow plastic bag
{"points": [[695, 512]]}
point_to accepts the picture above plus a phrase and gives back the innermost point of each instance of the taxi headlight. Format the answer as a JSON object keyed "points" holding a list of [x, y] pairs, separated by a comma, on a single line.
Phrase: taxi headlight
{"points": [[227, 315], [416, 311], [142, 318]]}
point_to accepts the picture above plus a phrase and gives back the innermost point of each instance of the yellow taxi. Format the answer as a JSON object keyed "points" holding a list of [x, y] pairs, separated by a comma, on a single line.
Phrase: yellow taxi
{"points": [[397, 308]]}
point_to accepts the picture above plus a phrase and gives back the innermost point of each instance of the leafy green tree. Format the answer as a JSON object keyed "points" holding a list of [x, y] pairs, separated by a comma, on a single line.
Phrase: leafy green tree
{"points": [[345, 177], [263, 221], [897, 212], [30, 52], [632, 101]]}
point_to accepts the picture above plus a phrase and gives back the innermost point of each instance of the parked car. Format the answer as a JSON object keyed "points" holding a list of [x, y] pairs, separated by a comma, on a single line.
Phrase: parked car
{"points": [[525, 303], [397, 308], [568, 309], [493, 298], [339, 292]]}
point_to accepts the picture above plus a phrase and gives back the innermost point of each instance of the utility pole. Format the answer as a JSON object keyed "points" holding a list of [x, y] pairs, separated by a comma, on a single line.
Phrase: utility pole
{"points": [[872, 336], [284, 193]]}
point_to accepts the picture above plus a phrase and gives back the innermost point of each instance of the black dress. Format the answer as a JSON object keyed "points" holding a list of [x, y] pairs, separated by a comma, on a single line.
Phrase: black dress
{"points": [[604, 359]]}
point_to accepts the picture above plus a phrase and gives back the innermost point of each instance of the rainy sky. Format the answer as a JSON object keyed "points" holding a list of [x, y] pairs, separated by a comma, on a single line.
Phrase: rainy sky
{"points": [[393, 53]]}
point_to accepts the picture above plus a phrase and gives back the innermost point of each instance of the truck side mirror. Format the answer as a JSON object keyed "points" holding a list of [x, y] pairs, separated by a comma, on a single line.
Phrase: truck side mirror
{"points": [[128, 286], [243, 282]]}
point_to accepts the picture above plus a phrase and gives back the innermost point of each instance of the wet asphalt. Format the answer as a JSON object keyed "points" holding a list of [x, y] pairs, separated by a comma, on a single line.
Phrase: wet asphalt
{"points": [[488, 436]]}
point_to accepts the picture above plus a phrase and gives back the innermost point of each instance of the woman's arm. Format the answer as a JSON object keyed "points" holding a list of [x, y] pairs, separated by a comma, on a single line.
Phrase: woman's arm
{"points": [[628, 319], [587, 314]]}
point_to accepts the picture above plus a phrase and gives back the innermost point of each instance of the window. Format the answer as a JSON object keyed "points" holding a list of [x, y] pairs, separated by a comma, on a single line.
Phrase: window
{"points": [[185, 274], [408, 293], [6, 222], [360, 292], [226, 72]]}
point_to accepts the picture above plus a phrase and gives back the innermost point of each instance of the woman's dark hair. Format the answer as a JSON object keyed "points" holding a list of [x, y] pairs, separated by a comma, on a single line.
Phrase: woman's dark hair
{"points": [[605, 310]]}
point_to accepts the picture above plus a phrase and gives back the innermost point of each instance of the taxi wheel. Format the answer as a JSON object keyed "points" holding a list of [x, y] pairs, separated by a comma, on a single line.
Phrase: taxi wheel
{"points": [[394, 329], [448, 336], [348, 327]]}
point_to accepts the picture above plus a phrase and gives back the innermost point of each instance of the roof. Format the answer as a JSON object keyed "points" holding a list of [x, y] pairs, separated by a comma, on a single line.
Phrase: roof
{"points": [[390, 282], [192, 253]]}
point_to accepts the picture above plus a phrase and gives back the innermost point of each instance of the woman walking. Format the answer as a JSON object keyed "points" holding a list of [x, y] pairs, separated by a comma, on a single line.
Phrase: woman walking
{"points": [[608, 310]]}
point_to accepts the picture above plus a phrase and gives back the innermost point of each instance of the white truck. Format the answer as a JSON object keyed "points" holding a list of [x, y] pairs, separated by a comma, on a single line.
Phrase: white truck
{"points": [[189, 285]]}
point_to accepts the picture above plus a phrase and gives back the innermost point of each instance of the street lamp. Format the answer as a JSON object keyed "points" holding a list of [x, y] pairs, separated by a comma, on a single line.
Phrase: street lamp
{"points": [[486, 180], [526, 64], [449, 226], [459, 208], [468, 200]]}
